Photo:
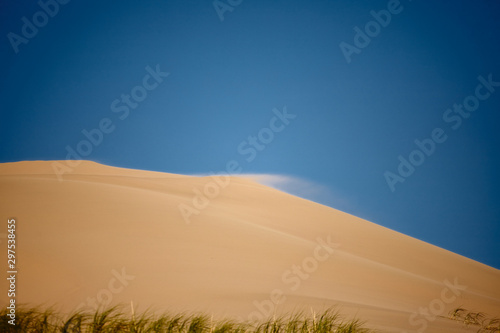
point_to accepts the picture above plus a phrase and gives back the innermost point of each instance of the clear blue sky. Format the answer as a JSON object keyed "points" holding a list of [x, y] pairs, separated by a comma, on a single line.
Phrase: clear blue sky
{"points": [[356, 113]]}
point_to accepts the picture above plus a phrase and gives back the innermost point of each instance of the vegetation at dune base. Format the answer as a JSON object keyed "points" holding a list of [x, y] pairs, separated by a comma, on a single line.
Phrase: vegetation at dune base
{"points": [[115, 320], [476, 319]]}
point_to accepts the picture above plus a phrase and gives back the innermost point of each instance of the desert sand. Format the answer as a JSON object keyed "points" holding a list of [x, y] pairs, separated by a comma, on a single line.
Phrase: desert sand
{"points": [[107, 235]]}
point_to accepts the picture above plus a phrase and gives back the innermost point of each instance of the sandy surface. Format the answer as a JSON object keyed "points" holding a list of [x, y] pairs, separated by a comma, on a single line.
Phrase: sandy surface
{"points": [[109, 235]]}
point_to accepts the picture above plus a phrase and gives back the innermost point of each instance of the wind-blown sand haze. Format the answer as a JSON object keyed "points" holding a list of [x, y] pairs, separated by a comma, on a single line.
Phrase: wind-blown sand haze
{"points": [[117, 235]]}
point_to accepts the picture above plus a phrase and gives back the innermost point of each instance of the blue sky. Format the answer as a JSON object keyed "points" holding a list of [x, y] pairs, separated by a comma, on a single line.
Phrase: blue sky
{"points": [[355, 114]]}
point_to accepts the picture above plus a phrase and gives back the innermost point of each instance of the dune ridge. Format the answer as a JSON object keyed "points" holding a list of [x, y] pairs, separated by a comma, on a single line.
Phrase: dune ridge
{"points": [[106, 235]]}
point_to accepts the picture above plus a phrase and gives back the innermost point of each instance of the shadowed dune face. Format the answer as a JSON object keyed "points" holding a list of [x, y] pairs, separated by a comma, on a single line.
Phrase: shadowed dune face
{"points": [[106, 235]]}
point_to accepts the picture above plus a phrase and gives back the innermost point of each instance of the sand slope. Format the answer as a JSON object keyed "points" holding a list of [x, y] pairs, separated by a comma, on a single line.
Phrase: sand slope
{"points": [[110, 235]]}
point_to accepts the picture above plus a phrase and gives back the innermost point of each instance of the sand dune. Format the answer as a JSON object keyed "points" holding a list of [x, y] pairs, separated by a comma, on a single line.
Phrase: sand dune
{"points": [[110, 235]]}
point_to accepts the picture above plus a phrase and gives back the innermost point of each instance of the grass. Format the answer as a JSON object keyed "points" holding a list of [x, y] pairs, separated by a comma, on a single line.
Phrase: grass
{"points": [[114, 320], [477, 319]]}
